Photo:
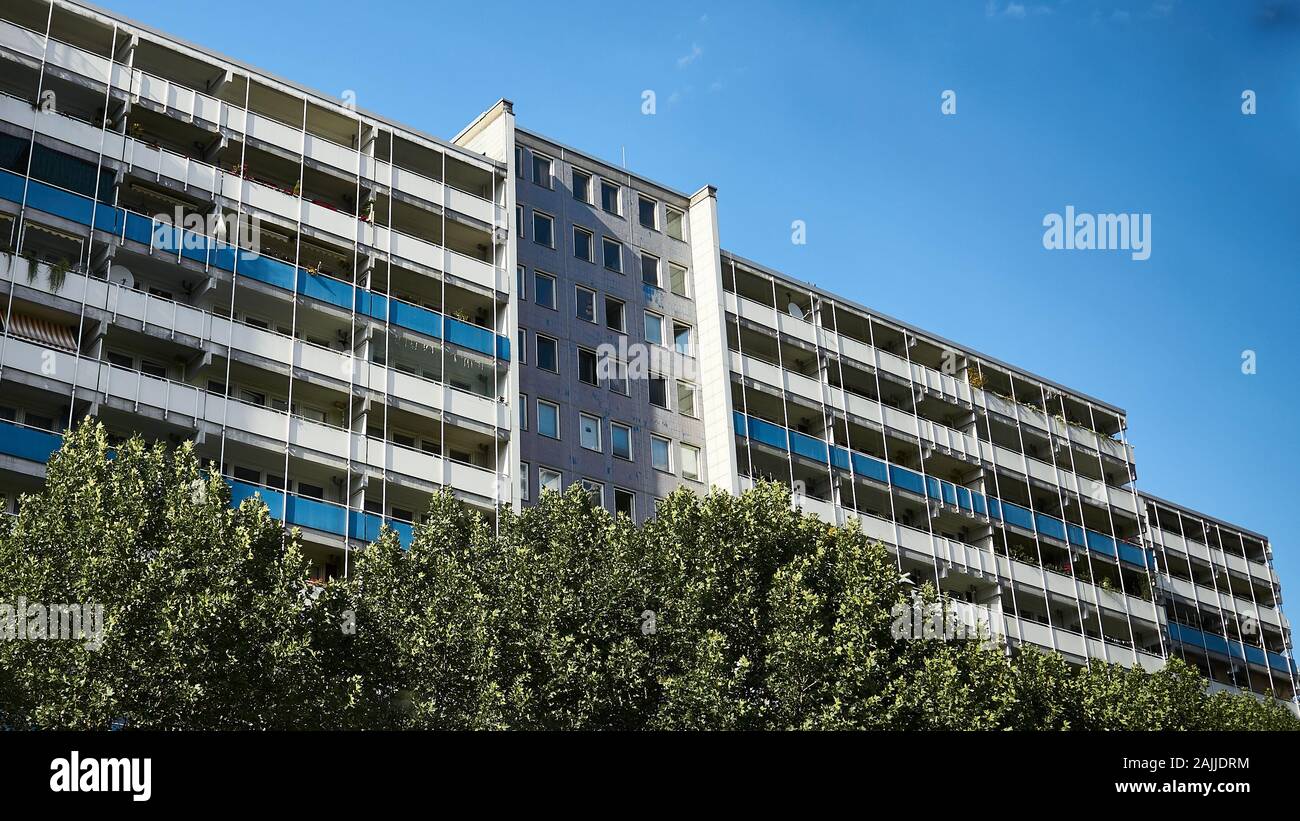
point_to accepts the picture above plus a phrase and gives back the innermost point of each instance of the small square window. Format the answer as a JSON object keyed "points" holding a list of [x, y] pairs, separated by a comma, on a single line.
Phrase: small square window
{"points": [[542, 170], [582, 241], [613, 252], [650, 269], [595, 490], [587, 366], [674, 223], [582, 186], [548, 354], [620, 438], [585, 302], [686, 399], [647, 212], [544, 289], [660, 454], [548, 419], [677, 282], [550, 479], [589, 431], [609, 197], [625, 503], [616, 374], [614, 315], [682, 338], [654, 328], [658, 392], [543, 229], [690, 462]]}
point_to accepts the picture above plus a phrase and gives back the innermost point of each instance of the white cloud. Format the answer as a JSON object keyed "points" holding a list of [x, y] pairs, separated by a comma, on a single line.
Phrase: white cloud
{"points": [[686, 59]]}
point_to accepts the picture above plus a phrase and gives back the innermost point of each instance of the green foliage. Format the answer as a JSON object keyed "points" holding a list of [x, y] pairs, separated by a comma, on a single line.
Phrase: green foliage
{"points": [[722, 613]]}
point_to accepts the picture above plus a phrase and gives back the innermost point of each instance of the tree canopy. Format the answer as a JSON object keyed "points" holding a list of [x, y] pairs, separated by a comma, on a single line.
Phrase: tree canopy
{"points": [[722, 612]]}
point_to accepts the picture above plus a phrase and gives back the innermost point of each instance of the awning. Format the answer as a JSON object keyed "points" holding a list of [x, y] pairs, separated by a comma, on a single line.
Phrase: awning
{"points": [[43, 332]]}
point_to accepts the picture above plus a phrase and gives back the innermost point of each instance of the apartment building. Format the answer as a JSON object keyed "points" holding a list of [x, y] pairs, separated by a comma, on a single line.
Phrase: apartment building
{"points": [[345, 314], [327, 316]]}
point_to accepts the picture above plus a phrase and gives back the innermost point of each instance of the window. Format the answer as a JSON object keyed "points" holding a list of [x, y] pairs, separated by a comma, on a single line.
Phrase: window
{"points": [[613, 254], [690, 462], [647, 212], [660, 450], [616, 373], [682, 338], [312, 491], [614, 315], [519, 218], [120, 359], [659, 391], [523, 281], [523, 481], [523, 346], [548, 419], [677, 279], [543, 229], [544, 289], [587, 366], [650, 269], [625, 503], [609, 197], [582, 243], [585, 302], [523, 411], [595, 490], [589, 431], [582, 186], [252, 397], [549, 479], [674, 223], [686, 399], [541, 171], [654, 328], [548, 354], [620, 438], [519, 161], [153, 369]]}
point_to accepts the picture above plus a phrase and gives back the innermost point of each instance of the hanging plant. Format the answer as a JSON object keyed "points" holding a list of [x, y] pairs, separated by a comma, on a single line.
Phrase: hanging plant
{"points": [[59, 274]]}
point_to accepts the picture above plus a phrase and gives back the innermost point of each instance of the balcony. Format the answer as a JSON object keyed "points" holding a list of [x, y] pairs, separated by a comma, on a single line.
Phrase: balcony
{"points": [[208, 252], [931, 489]]}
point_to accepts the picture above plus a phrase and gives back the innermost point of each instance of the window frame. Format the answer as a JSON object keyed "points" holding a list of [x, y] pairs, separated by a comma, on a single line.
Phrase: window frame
{"points": [[577, 304], [598, 428], [537, 292], [537, 212], [537, 352], [613, 447], [641, 200], [591, 243], [605, 243], [558, 428], [668, 449], [549, 184]]}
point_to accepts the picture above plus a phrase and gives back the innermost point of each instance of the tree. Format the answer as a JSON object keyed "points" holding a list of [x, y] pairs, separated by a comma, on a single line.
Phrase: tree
{"points": [[205, 618], [723, 612]]}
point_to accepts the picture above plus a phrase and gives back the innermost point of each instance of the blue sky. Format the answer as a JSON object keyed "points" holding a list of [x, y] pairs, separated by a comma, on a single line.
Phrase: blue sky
{"points": [[830, 114]]}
